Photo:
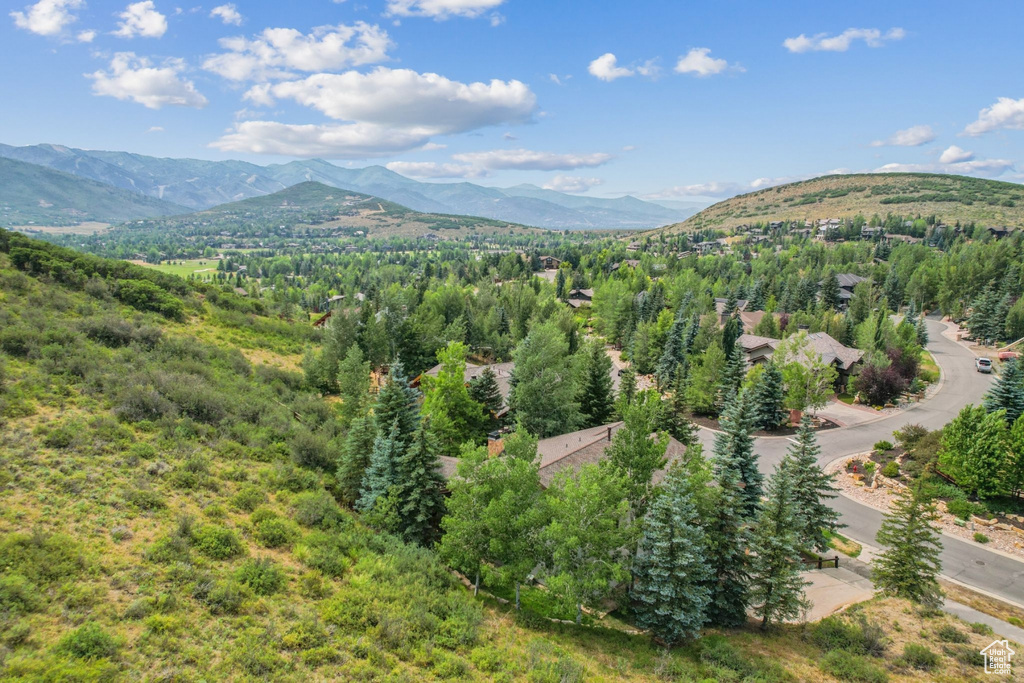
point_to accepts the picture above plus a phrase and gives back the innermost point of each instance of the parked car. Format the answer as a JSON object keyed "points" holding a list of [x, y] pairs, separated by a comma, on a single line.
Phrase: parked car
{"points": [[983, 364]]}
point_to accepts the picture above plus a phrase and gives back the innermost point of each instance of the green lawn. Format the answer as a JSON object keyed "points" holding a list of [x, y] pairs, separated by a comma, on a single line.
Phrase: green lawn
{"points": [[198, 267]]}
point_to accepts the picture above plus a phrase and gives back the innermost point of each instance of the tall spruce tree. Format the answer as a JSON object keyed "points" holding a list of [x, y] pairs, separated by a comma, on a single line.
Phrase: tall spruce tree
{"points": [[830, 291], [627, 390], [419, 488], [596, 403], [732, 377], [484, 390], [355, 458], [776, 587], [734, 448], [397, 405], [671, 574], [768, 396], [353, 386], [810, 488], [1007, 393], [727, 531], [674, 418], [673, 353], [382, 471], [910, 563]]}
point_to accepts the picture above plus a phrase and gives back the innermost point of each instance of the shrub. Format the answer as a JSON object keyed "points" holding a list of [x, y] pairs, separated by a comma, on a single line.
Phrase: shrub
{"points": [[312, 585], [311, 450], [948, 633], [222, 597], [909, 435], [847, 666], [980, 537], [879, 385], [249, 498], [981, 629], [17, 595], [316, 509], [89, 641], [891, 469], [276, 532], [919, 657], [261, 575], [963, 508], [138, 403], [836, 633], [144, 499], [882, 446], [218, 543]]}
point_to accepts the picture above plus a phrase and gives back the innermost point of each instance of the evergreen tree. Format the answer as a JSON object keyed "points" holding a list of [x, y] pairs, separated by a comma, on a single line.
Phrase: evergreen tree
{"points": [[627, 391], [909, 565], [776, 588], [673, 352], [726, 529], [397, 405], [705, 376], [484, 390], [560, 291], [893, 289], [634, 453], [732, 378], [734, 449], [671, 574], [673, 414], [1007, 393], [810, 487], [596, 389], [419, 488], [382, 471], [922, 332], [768, 398], [355, 458], [830, 291]]}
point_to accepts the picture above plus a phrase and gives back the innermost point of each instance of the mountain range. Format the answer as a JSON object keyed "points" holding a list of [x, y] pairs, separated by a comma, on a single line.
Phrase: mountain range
{"points": [[199, 184]]}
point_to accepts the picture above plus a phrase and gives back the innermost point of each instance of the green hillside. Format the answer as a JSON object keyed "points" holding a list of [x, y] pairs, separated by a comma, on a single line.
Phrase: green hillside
{"points": [[36, 195], [166, 513], [951, 198], [313, 209]]}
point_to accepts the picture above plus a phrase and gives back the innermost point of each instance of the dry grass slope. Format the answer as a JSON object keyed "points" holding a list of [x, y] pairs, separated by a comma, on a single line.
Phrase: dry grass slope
{"points": [[952, 198]]}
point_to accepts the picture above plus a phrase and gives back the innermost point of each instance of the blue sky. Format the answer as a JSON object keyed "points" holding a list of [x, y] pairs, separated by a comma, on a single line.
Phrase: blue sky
{"points": [[666, 100]]}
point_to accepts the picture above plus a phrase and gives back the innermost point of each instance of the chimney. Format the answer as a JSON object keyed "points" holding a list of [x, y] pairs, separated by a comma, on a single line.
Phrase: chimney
{"points": [[495, 444]]}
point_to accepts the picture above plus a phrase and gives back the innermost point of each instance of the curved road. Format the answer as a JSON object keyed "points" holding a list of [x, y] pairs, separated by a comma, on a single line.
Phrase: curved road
{"points": [[965, 562]]}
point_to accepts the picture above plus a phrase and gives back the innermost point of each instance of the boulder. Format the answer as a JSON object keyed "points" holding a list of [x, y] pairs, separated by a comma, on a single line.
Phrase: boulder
{"points": [[983, 522]]}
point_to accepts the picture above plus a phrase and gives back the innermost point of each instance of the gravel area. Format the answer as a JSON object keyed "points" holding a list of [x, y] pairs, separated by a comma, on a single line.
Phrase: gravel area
{"points": [[882, 495]]}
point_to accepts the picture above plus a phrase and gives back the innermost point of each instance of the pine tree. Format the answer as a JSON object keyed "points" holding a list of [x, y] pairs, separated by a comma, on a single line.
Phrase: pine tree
{"points": [[673, 352], [420, 488], [397, 404], [734, 449], [353, 385], [596, 389], [627, 390], [732, 378], [727, 533], [484, 390], [382, 471], [673, 414], [776, 588], [909, 565], [830, 291], [1007, 393], [768, 398], [671, 574], [810, 487], [893, 289], [355, 458]]}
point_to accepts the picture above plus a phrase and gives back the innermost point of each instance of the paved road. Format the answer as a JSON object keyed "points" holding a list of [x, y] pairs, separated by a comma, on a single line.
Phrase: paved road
{"points": [[962, 384]]}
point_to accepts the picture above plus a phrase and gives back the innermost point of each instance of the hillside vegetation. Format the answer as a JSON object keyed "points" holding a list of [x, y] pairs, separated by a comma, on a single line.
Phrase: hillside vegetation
{"points": [[314, 210], [36, 195], [166, 513], [951, 198]]}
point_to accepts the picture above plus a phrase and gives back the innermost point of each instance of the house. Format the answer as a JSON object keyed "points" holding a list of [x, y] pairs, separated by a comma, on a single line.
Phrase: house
{"points": [[633, 246], [502, 374], [868, 233], [550, 262], [631, 262], [843, 358], [706, 247], [720, 304], [775, 225], [999, 232], [847, 282], [580, 297]]}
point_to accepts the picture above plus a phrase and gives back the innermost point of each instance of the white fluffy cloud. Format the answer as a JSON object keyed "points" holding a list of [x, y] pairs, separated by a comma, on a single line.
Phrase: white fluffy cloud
{"points": [[403, 98], [331, 141], [908, 137], [47, 17], [710, 189], [442, 9], [430, 169], [1006, 114], [572, 184], [606, 68], [978, 167], [228, 14], [699, 62], [86, 36], [141, 19], [276, 52], [954, 154], [529, 160], [135, 78], [822, 42]]}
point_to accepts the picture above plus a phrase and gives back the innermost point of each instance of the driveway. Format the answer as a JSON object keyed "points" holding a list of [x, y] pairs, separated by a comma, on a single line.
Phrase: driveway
{"points": [[968, 563]]}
